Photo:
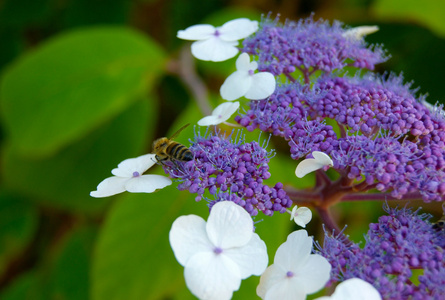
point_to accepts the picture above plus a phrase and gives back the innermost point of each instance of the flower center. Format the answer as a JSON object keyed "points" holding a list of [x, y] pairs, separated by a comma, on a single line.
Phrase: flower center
{"points": [[217, 250], [251, 72], [289, 274], [136, 174], [217, 33]]}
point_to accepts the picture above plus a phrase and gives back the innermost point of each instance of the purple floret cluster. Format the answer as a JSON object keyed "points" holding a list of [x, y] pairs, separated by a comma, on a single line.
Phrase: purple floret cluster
{"points": [[399, 243], [309, 45], [231, 170], [374, 127]]}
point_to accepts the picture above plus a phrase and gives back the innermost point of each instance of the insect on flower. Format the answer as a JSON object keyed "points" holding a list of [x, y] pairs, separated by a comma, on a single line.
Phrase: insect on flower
{"points": [[167, 149]]}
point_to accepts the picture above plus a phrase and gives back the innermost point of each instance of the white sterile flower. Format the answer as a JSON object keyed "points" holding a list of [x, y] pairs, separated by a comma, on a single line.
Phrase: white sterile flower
{"points": [[218, 254], [295, 272], [301, 215], [354, 289], [308, 165], [360, 31], [243, 82], [220, 114], [128, 177], [218, 44]]}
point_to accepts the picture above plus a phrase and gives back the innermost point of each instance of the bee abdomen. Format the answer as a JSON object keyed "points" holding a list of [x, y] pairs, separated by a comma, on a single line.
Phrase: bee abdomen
{"points": [[180, 152]]}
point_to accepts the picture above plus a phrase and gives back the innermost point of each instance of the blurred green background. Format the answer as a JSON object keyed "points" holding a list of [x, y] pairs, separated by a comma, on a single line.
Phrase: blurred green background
{"points": [[86, 84]]}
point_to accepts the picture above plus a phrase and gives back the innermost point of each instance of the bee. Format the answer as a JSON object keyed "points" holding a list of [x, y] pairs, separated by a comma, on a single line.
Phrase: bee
{"points": [[166, 149]]}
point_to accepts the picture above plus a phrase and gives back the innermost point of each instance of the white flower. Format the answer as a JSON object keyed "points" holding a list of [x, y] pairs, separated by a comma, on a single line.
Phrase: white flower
{"points": [[218, 44], [295, 272], [301, 216], [218, 254], [128, 177], [220, 114], [354, 289], [308, 165], [359, 32], [243, 82]]}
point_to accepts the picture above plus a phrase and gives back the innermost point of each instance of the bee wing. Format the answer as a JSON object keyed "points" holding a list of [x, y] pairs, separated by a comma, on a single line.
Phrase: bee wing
{"points": [[180, 129]]}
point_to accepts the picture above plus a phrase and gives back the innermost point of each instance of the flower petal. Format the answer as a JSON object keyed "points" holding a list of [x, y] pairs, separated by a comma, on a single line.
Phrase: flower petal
{"points": [[309, 165], [109, 187], [263, 85], [197, 32], [220, 114], [273, 275], [237, 29], [214, 49], [147, 183], [355, 288], [294, 252], [360, 31], [188, 236], [138, 164], [251, 259], [243, 62], [314, 274], [236, 85], [229, 225], [302, 216], [211, 276], [286, 289]]}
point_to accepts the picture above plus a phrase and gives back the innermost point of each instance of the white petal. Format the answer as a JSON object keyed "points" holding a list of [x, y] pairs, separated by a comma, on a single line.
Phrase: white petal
{"points": [[229, 225], [263, 85], [109, 187], [138, 164], [355, 288], [243, 62], [285, 289], [270, 277], [251, 259], [147, 183], [302, 216], [214, 49], [314, 274], [236, 85], [211, 276], [197, 32], [360, 31], [323, 158], [309, 165], [238, 29], [293, 253], [220, 114], [188, 236]]}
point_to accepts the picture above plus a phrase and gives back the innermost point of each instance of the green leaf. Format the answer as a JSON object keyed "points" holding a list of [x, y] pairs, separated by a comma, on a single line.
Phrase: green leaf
{"points": [[133, 258], [74, 82], [429, 13], [65, 180], [18, 224]]}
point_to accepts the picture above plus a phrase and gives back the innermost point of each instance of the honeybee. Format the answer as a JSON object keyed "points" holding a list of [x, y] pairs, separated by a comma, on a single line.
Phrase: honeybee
{"points": [[166, 149]]}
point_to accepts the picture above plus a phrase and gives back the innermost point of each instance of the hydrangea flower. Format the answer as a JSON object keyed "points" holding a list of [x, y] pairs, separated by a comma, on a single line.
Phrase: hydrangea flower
{"points": [[220, 114], [244, 82], [231, 169], [218, 254], [218, 44], [301, 215], [308, 165], [309, 45], [128, 177], [295, 272], [399, 243], [353, 289]]}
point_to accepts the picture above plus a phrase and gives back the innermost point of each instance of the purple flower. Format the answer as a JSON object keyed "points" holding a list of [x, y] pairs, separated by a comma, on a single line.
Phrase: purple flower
{"points": [[399, 243], [309, 45], [232, 170]]}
